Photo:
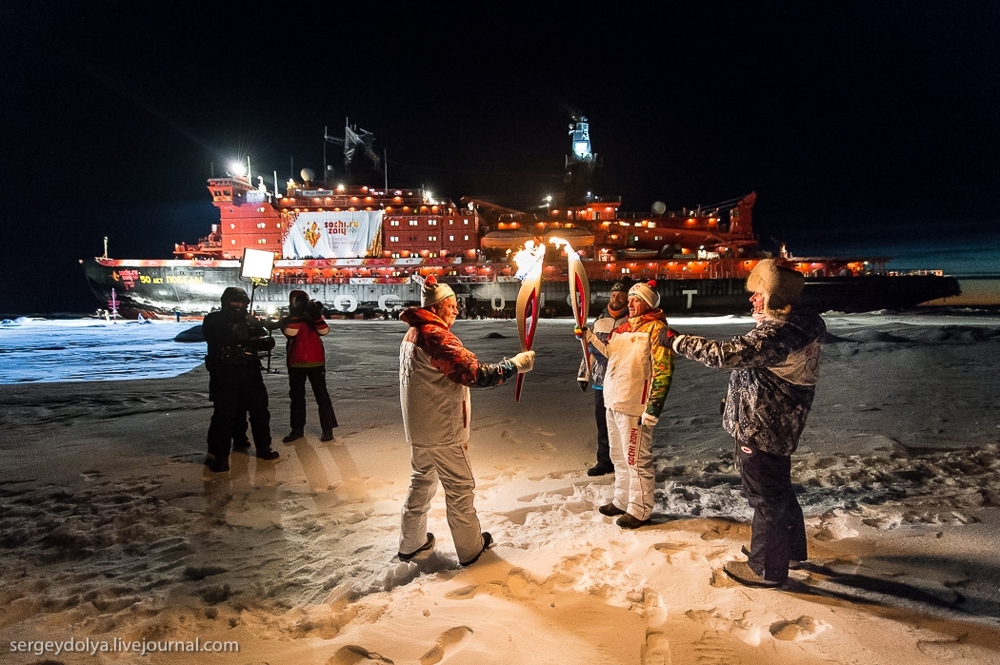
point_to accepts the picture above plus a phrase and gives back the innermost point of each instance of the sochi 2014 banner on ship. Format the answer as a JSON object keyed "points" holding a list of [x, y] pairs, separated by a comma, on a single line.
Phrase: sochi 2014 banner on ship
{"points": [[334, 235]]}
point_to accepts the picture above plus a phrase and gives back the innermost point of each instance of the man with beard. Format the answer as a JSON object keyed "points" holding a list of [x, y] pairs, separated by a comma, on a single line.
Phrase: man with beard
{"points": [[612, 316], [234, 339]]}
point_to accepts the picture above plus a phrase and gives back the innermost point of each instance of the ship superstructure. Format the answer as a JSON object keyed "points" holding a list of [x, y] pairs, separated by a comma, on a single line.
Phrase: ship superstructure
{"points": [[364, 249]]}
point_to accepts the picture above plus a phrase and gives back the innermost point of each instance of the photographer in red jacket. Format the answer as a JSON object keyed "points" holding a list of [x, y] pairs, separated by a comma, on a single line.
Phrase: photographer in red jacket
{"points": [[305, 328]]}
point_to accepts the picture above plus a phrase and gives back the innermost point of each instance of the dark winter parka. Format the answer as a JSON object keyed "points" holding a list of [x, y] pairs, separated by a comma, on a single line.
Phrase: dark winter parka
{"points": [[775, 367]]}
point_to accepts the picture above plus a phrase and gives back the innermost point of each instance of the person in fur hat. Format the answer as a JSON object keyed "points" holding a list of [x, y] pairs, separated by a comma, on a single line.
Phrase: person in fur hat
{"points": [[435, 374], [774, 367], [636, 383]]}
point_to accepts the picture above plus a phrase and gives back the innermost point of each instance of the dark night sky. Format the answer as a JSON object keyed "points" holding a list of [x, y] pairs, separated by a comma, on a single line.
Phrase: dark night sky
{"points": [[862, 126]]}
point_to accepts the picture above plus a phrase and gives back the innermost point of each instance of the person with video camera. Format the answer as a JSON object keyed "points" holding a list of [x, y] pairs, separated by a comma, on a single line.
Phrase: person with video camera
{"points": [[235, 338], [304, 328]]}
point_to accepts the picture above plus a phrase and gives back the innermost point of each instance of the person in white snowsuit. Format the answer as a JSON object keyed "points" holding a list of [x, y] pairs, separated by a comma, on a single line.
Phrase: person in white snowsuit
{"points": [[435, 373], [636, 383], [774, 367]]}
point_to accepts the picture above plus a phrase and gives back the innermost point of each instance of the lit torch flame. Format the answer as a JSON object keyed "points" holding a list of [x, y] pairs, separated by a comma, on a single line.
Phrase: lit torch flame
{"points": [[529, 260], [529, 271], [579, 292]]}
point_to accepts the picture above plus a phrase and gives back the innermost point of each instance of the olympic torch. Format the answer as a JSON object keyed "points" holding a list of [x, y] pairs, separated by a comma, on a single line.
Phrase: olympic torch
{"points": [[579, 293], [529, 269]]}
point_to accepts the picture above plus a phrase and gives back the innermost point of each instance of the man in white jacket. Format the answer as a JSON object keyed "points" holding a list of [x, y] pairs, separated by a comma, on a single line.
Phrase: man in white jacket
{"points": [[435, 373]]}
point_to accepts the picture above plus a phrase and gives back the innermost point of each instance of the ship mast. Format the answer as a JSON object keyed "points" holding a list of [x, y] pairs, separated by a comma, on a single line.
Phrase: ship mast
{"points": [[580, 163], [354, 138]]}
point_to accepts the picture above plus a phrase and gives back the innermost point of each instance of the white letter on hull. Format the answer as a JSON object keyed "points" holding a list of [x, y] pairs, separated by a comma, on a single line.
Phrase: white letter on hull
{"points": [[345, 303], [386, 306]]}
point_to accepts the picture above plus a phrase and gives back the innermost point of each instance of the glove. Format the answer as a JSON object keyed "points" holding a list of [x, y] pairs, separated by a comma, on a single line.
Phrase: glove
{"points": [[648, 420], [314, 309], [524, 361], [580, 332], [583, 385]]}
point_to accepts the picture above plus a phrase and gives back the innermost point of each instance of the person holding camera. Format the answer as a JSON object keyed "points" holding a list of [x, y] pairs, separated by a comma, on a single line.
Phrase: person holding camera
{"points": [[235, 338], [304, 329]]}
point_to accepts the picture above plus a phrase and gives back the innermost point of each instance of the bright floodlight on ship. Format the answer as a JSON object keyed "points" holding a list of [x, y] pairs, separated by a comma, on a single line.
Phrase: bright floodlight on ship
{"points": [[237, 168]]}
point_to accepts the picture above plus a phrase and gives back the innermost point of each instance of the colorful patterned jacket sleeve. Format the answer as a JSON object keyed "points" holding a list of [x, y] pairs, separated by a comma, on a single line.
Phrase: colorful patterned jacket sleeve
{"points": [[452, 359], [663, 367]]}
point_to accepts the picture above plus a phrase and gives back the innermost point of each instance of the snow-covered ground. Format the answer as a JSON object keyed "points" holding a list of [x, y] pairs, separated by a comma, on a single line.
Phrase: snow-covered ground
{"points": [[112, 530]]}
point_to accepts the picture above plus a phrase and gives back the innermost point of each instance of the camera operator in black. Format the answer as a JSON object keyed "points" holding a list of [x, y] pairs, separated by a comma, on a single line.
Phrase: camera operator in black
{"points": [[234, 339]]}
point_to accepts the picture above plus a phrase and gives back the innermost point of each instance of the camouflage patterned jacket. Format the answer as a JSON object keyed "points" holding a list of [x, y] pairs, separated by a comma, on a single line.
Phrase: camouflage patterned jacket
{"points": [[775, 367], [640, 365]]}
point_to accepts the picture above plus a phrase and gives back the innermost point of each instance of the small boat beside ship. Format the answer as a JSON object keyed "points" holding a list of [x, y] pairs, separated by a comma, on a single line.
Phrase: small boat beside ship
{"points": [[365, 250]]}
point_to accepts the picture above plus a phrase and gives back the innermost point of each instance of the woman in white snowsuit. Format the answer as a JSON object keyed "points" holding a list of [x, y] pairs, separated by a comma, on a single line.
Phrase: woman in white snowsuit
{"points": [[435, 373], [636, 383]]}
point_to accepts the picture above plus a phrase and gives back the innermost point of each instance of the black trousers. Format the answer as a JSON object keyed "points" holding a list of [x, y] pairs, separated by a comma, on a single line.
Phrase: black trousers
{"points": [[778, 527], [601, 416], [297, 393], [236, 391]]}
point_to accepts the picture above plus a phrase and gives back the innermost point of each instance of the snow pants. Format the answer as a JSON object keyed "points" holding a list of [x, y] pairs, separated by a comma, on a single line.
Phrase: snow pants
{"points": [[297, 394], [632, 454], [601, 416], [237, 390], [778, 527], [448, 463]]}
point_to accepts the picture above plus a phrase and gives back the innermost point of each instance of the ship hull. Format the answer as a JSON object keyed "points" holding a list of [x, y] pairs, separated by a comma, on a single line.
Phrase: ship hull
{"points": [[194, 288]]}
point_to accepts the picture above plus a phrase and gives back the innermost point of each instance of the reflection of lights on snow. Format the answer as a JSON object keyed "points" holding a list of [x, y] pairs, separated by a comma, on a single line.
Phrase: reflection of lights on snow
{"points": [[529, 260]]}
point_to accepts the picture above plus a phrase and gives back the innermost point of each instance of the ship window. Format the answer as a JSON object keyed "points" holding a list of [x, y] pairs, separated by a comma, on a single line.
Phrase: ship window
{"points": [[466, 222], [413, 222], [466, 237], [394, 222], [451, 222], [432, 238], [227, 192], [232, 226], [393, 238], [234, 241], [451, 237], [432, 222]]}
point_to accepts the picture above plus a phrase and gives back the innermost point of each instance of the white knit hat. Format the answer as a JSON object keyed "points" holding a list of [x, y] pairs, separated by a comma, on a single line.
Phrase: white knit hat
{"points": [[433, 293], [646, 291], [779, 285]]}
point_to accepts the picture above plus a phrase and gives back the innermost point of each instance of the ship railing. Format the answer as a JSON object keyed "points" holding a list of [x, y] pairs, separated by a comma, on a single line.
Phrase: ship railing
{"points": [[919, 273]]}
